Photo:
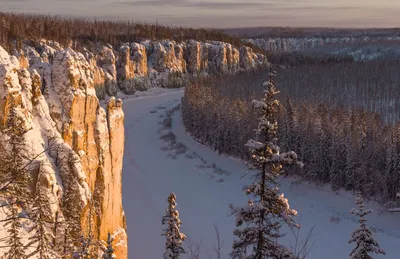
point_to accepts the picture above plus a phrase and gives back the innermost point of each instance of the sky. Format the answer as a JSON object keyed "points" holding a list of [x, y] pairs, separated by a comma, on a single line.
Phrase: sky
{"points": [[224, 13]]}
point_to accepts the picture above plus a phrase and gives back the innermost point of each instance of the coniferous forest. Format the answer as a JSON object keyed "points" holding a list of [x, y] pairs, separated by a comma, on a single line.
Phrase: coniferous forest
{"points": [[94, 123], [340, 118]]}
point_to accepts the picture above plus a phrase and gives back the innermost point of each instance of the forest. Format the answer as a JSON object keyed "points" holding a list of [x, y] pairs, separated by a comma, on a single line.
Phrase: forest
{"points": [[337, 117], [336, 124], [17, 28]]}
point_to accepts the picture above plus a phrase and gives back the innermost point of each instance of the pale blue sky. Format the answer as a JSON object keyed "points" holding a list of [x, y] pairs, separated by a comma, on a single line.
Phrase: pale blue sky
{"points": [[225, 13]]}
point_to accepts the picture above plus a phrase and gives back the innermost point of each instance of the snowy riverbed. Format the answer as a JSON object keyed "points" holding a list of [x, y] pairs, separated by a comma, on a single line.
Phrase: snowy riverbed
{"points": [[161, 158]]}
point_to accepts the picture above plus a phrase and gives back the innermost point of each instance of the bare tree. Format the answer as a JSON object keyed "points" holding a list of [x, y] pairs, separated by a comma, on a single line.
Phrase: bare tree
{"points": [[218, 246], [193, 249], [301, 248]]}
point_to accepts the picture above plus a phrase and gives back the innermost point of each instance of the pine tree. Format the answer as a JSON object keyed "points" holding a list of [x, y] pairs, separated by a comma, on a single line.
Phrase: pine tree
{"points": [[18, 179], [289, 126], [338, 151], [16, 247], [174, 238], [72, 228], [324, 145], [351, 152], [88, 247], [258, 223], [109, 253], [43, 236], [365, 243]]}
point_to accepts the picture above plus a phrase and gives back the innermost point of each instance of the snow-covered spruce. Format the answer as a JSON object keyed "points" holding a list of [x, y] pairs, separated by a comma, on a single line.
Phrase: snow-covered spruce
{"points": [[258, 223], [43, 237], [174, 238], [365, 242], [109, 252], [14, 182]]}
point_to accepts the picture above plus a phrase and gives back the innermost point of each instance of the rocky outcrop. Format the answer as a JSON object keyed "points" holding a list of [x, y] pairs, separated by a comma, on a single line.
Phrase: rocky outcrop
{"points": [[56, 94], [224, 58], [139, 57], [138, 66], [106, 60], [80, 170], [299, 44], [250, 60], [197, 57]]}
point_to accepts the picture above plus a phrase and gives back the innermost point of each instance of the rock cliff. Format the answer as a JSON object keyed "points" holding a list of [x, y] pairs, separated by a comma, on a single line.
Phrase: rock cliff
{"points": [[81, 166], [138, 66], [56, 93]]}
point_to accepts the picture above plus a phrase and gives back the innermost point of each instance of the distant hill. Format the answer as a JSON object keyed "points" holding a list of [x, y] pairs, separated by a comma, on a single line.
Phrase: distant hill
{"points": [[322, 32]]}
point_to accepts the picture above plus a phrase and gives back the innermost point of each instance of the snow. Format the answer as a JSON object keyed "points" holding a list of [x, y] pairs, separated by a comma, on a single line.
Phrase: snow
{"points": [[151, 172]]}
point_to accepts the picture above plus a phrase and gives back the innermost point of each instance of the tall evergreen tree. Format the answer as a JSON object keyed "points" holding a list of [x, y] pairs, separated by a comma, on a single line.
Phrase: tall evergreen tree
{"points": [[43, 236], [18, 179], [289, 126], [258, 223], [14, 241], [88, 245], [365, 243], [109, 252], [174, 238]]}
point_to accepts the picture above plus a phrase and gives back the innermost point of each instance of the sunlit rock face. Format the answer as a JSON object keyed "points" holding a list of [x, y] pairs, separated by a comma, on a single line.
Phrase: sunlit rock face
{"points": [[80, 170], [56, 92], [106, 60], [167, 63]]}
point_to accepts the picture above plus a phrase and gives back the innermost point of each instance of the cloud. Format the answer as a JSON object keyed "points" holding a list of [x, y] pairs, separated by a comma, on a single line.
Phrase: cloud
{"points": [[185, 3], [223, 13]]}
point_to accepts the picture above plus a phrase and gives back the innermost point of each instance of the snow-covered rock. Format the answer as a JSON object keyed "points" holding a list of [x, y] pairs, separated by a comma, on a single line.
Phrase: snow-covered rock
{"points": [[125, 70], [138, 52], [83, 144], [106, 60], [197, 57], [56, 93], [299, 44]]}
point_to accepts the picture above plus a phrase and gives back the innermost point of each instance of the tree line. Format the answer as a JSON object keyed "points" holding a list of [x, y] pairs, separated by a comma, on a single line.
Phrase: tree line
{"points": [[339, 142], [16, 28], [257, 228], [258, 223]]}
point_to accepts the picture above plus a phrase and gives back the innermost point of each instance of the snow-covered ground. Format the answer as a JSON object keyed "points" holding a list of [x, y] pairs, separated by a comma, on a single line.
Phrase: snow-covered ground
{"points": [[161, 158]]}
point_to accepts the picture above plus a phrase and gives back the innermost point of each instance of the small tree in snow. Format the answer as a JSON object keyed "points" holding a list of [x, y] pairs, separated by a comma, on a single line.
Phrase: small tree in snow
{"points": [[258, 223], [43, 236], [174, 238], [365, 243], [15, 180], [14, 241], [88, 247], [109, 253]]}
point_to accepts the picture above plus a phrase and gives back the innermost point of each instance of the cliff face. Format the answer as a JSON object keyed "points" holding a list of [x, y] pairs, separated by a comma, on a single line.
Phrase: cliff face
{"points": [[80, 171], [170, 64], [137, 66], [56, 92]]}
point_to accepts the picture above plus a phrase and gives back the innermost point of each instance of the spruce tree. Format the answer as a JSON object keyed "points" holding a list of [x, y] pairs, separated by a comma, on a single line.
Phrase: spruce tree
{"points": [[365, 243], [14, 241], [17, 180], [109, 252], [88, 245], [43, 236], [289, 126], [174, 238], [258, 223]]}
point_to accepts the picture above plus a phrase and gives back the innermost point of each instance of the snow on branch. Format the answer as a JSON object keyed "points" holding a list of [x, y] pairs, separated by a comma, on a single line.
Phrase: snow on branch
{"points": [[259, 104], [254, 144]]}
